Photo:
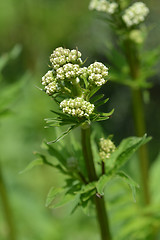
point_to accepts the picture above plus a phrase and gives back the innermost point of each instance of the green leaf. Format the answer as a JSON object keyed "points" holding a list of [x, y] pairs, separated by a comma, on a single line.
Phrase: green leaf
{"points": [[132, 184], [87, 195], [96, 98], [101, 102], [87, 188], [53, 193], [92, 92], [64, 134], [98, 119], [102, 182], [58, 166], [68, 198], [85, 82], [36, 162], [88, 207], [54, 152], [154, 178], [126, 149], [107, 114]]}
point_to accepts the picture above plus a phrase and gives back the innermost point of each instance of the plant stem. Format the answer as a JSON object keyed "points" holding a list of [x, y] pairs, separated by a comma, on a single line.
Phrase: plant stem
{"points": [[76, 88], [99, 202], [7, 209], [138, 114]]}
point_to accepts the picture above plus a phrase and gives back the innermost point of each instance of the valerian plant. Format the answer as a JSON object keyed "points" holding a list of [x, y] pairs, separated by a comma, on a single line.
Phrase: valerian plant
{"points": [[91, 164], [126, 19]]}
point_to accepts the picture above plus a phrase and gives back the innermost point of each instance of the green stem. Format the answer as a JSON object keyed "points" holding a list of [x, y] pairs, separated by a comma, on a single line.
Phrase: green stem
{"points": [[138, 114], [7, 209], [99, 202], [77, 91]]}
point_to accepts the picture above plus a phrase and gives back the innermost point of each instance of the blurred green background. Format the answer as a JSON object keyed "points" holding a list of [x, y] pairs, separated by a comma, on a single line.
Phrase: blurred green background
{"points": [[32, 29]]}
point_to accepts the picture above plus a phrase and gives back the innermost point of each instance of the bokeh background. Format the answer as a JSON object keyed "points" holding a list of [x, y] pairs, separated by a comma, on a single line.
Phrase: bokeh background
{"points": [[29, 31]]}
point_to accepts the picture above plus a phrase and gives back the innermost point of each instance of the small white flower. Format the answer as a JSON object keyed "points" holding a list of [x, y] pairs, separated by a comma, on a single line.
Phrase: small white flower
{"points": [[135, 14], [68, 71], [96, 73], [61, 56], [103, 6], [50, 83], [77, 107]]}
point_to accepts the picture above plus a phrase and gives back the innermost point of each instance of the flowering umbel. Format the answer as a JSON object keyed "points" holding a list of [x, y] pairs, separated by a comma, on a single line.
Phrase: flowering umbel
{"points": [[135, 14], [103, 6], [77, 107], [72, 85]]}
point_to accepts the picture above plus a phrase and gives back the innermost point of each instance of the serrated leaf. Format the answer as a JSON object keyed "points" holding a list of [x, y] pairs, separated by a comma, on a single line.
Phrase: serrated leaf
{"points": [[133, 185], [102, 182], [36, 162], [53, 192], [126, 149]]}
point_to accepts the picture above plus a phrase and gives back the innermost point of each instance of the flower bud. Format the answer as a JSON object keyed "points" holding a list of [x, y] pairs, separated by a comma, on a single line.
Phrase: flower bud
{"points": [[106, 148]]}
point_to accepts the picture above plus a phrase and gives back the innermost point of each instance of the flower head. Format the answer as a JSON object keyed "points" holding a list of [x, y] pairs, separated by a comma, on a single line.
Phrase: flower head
{"points": [[61, 56], [68, 71], [106, 148], [103, 6], [77, 107], [135, 14], [70, 78], [50, 83], [97, 73]]}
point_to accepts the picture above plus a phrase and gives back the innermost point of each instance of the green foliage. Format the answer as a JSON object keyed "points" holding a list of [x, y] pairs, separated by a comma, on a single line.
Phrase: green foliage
{"points": [[78, 191], [21, 134], [125, 150], [9, 93]]}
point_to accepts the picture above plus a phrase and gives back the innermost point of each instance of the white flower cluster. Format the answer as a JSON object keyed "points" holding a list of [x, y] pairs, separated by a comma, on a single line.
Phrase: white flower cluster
{"points": [[106, 148], [97, 72], [135, 14], [77, 107], [68, 71], [61, 56], [103, 6], [50, 83]]}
